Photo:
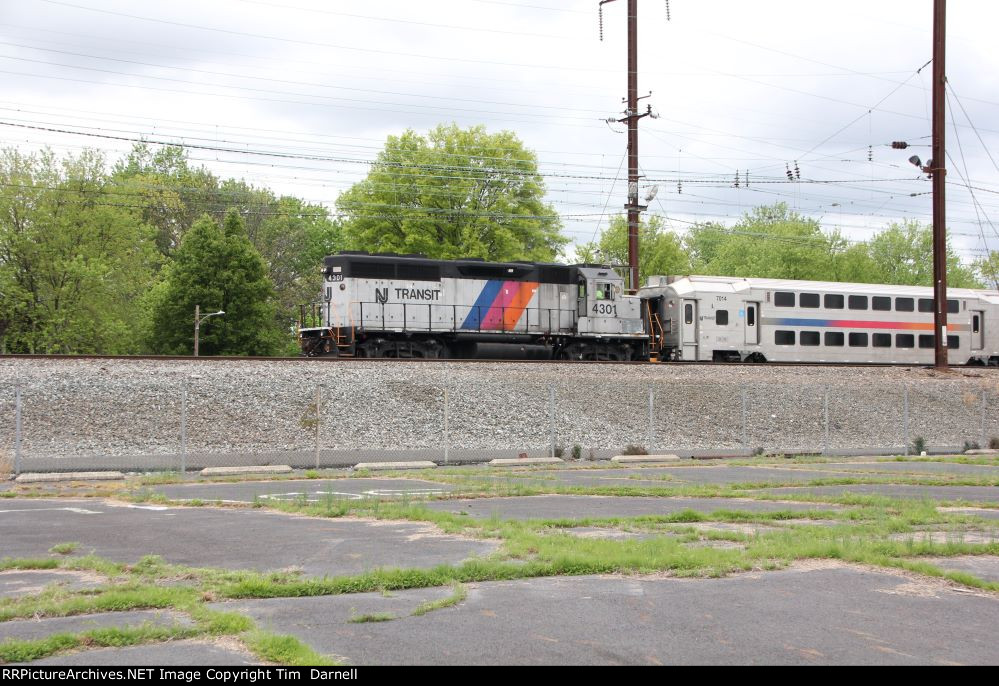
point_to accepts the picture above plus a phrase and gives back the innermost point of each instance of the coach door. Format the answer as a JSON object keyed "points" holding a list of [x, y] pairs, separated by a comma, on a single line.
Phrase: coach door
{"points": [[752, 323], [689, 315], [977, 330]]}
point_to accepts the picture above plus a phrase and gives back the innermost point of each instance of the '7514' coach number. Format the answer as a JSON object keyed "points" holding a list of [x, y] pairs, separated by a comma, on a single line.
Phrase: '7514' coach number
{"points": [[605, 309]]}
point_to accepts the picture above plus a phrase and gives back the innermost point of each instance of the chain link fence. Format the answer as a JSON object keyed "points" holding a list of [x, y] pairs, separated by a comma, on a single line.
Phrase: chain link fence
{"points": [[448, 416]]}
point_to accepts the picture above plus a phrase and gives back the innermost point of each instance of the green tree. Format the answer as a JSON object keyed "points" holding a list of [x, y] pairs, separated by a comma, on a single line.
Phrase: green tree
{"points": [[660, 251], [903, 254], [453, 193], [219, 269], [988, 268], [74, 267], [769, 242]]}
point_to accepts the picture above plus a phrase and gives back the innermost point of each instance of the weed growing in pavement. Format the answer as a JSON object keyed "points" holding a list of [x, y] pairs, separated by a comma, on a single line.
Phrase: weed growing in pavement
{"points": [[459, 593], [64, 548], [375, 617]]}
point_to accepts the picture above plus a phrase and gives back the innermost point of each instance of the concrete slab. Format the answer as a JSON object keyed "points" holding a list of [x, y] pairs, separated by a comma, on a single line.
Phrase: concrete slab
{"points": [[582, 506], [982, 451], [985, 567], [34, 478], [867, 617], [985, 513], [15, 583], [237, 471], [228, 538], [946, 493], [389, 466], [33, 629], [524, 461], [907, 467], [218, 653], [312, 490], [639, 459]]}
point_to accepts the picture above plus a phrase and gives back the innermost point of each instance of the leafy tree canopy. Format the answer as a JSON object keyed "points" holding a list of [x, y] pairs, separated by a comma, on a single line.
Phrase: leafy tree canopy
{"points": [[219, 269], [453, 193], [661, 253]]}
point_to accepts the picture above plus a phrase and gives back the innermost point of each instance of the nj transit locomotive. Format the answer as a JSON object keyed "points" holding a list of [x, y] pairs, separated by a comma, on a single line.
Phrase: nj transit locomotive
{"points": [[408, 306]]}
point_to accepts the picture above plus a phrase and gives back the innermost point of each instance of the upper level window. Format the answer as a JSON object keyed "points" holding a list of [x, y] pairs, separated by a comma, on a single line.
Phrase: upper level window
{"points": [[858, 302], [904, 305], [808, 300], [926, 305], [834, 301], [881, 304], [783, 299]]}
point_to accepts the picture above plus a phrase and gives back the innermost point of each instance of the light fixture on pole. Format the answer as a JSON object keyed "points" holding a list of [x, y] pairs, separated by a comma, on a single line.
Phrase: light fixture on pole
{"points": [[197, 324]]}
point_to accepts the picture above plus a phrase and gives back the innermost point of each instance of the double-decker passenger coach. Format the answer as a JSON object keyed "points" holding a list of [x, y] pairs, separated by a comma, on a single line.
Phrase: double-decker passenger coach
{"points": [[770, 320]]}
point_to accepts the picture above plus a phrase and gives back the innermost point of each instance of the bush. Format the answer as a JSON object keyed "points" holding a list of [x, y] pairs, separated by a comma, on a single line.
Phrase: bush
{"points": [[577, 452], [972, 445], [994, 443], [592, 456], [634, 450], [558, 451], [918, 445]]}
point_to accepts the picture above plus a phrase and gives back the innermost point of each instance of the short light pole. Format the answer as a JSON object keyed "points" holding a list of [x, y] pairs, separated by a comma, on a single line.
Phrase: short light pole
{"points": [[197, 324]]}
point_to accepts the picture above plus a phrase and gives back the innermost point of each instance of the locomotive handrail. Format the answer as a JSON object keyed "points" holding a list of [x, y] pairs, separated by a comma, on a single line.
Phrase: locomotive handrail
{"points": [[366, 318]]}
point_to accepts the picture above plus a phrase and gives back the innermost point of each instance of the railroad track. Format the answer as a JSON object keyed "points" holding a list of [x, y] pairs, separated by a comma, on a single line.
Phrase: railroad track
{"points": [[350, 360]]}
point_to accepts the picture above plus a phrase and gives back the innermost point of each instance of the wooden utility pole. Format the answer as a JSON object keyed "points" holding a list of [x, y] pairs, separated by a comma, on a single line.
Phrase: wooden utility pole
{"points": [[631, 117], [939, 171]]}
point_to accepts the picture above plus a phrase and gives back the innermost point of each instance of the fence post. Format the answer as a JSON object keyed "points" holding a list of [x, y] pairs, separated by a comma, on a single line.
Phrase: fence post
{"points": [[318, 410], [651, 421], [447, 435], [905, 418], [551, 411], [183, 429], [17, 430], [825, 420], [745, 428]]}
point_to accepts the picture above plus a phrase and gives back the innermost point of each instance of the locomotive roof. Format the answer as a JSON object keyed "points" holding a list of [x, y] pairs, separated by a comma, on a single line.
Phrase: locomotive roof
{"points": [[423, 268], [731, 284]]}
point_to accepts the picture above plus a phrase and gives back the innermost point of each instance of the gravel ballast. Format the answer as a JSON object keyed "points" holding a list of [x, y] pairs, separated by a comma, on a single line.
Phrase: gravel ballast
{"points": [[128, 413]]}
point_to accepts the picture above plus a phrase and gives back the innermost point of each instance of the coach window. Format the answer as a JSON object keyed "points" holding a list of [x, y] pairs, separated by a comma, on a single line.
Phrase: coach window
{"points": [[927, 341], [808, 300], [834, 339], [881, 340], [954, 342], [858, 302], [953, 306], [858, 340], [810, 338], [881, 304], [721, 317], [688, 314], [783, 299], [784, 337], [834, 301], [905, 340], [926, 305], [904, 305]]}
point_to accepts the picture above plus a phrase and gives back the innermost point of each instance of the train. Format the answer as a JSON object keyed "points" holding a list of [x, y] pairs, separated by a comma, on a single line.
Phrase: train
{"points": [[412, 307]]}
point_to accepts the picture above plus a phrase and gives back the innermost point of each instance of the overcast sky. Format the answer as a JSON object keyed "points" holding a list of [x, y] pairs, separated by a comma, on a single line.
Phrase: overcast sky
{"points": [[738, 86]]}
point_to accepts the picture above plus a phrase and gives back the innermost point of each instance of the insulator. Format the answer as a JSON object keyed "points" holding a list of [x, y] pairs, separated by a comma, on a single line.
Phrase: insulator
{"points": [[679, 187], [667, 11], [870, 153], [736, 179], [797, 172], [600, 10]]}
